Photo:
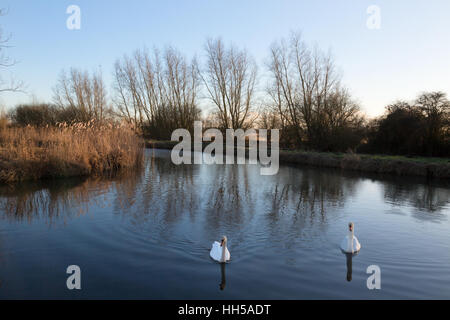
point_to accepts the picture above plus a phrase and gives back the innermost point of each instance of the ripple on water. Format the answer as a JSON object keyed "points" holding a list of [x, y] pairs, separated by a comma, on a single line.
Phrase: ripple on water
{"points": [[149, 235]]}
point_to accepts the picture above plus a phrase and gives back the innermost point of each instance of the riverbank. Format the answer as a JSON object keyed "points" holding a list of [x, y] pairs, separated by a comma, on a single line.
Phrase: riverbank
{"points": [[67, 151], [438, 168]]}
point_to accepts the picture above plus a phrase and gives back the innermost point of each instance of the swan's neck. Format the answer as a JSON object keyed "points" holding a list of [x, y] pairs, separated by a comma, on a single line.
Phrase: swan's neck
{"points": [[224, 250], [350, 240]]}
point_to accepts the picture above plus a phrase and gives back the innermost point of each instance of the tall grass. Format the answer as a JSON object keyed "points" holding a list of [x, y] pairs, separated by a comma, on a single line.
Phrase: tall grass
{"points": [[78, 149], [3, 120]]}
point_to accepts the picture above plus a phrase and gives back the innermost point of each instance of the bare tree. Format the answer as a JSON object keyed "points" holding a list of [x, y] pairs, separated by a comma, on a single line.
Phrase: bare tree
{"points": [[182, 83], [83, 93], [131, 79], [306, 91], [6, 62], [230, 77], [157, 92], [269, 119]]}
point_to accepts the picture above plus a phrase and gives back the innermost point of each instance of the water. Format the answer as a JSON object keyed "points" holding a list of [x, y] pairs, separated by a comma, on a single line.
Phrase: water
{"points": [[147, 235]]}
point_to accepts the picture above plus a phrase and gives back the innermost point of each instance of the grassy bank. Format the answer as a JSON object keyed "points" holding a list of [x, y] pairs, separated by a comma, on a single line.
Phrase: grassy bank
{"points": [[394, 165], [383, 164], [68, 150]]}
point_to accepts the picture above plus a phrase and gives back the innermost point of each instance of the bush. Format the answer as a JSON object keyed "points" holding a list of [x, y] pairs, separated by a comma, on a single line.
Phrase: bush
{"points": [[36, 115], [42, 115], [422, 128]]}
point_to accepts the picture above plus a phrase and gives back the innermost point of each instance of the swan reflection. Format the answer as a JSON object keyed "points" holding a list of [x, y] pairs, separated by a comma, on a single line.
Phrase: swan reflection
{"points": [[349, 259], [223, 280]]}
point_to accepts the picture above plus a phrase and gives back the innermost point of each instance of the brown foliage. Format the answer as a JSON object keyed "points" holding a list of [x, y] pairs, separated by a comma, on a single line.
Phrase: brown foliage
{"points": [[67, 150]]}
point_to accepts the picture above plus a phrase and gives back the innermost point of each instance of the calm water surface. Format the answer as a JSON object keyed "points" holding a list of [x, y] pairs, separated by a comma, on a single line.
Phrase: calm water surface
{"points": [[147, 235]]}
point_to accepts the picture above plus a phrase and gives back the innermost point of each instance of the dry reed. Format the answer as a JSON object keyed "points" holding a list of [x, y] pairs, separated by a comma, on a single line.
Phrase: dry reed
{"points": [[78, 149]]}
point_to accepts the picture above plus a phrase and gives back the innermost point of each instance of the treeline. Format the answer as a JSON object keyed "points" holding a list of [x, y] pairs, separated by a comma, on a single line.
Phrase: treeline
{"points": [[159, 91], [79, 97], [421, 127]]}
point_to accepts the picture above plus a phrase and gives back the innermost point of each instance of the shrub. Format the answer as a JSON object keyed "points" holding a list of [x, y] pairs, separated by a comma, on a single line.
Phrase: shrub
{"points": [[35, 115]]}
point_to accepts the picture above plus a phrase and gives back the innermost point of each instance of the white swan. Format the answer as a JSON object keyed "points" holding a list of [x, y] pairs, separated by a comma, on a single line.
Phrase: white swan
{"points": [[350, 244], [219, 251]]}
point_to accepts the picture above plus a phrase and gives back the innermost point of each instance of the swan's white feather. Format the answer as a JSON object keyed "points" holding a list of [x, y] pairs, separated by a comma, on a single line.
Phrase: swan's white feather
{"points": [[216, 252], [346, 244]]}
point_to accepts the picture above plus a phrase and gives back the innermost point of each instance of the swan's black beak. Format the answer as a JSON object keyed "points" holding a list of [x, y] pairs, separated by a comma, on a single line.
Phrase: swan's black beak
{"points": [[221, 242]]}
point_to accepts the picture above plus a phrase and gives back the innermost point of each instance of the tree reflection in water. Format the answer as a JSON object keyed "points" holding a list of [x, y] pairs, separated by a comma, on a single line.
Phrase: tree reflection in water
{"points": [[155, 226], [48, 200], [426, 200], [221, 196]]}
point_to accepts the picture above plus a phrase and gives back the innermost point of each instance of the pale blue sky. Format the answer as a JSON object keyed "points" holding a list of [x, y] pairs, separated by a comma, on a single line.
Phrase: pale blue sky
{"points": [[409, 54]]}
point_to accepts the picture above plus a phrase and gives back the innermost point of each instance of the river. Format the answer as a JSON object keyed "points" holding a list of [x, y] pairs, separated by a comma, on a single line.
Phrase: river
{"points": [[147, 234]]}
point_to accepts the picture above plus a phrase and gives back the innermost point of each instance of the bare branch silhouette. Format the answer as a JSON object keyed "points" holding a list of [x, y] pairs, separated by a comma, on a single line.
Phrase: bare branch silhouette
{"points": [[10, 85]]}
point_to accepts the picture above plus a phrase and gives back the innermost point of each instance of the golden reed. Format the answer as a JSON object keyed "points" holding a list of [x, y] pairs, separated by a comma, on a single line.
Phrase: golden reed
{"points": [[67, 150]]}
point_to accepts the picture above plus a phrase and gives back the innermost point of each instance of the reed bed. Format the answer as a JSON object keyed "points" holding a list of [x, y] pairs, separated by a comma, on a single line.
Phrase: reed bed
{"points": [[68, 150]]}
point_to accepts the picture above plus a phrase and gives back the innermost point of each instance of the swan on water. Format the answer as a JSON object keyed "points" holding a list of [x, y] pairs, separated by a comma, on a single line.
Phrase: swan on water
{"points": [[219, 251], [350, 244]]}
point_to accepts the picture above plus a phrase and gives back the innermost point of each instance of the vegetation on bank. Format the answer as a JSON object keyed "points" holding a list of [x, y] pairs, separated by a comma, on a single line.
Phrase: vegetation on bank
{"points": [[382, 157], [160, 91], [384, 164], [420, 128], [79, 149]]}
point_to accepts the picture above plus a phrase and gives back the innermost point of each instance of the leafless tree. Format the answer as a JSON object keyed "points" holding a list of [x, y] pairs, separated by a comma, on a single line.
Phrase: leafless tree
{"points": [[269, 119], [230, 77], [182, 83], [306, 91], [83, 93], [157, 91], [10, 85]]}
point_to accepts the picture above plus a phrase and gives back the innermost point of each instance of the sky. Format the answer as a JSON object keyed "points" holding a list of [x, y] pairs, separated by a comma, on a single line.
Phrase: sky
{"points": [[407, 55]]}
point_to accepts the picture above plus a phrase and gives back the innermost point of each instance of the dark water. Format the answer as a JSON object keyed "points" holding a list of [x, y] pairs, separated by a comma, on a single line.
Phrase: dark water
{"points": [[147, 235]]}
